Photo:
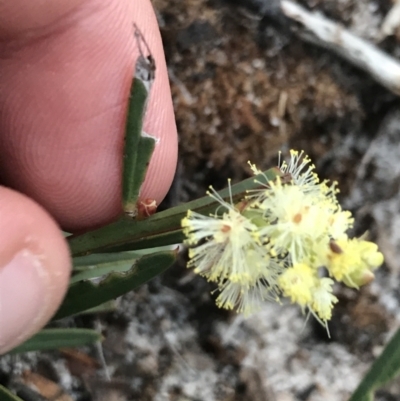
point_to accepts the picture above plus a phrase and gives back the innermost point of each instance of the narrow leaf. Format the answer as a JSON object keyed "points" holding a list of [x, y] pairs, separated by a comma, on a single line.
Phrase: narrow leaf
{"points": [[133, 180], [385, 368], [163, 228], [102, 264], [138, 149], [82, 263], [6, 395], [138, 146], [84, 295], [58, 338], [151, 241], [109, 306]]}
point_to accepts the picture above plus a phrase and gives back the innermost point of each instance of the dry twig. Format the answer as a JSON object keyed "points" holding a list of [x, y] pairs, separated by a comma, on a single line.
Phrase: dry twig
{"points": [[319, 30], [391, 23]]}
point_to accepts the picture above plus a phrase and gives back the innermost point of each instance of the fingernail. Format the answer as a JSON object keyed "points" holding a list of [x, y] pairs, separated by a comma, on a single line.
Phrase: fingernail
{"points": [[22, 295]]}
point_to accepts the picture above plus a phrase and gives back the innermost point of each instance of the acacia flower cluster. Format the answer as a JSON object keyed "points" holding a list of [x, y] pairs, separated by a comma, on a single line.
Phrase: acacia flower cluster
{"points": [[288, 238]]}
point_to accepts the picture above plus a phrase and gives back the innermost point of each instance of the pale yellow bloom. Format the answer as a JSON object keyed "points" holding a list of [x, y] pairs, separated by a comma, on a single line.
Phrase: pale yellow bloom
{"points": [[323, 299], [229, 243], [301, 171], [276, 242], [352, 261], [339, 222], [246, 299], [298, 221], [227, 246], [297, 283]]}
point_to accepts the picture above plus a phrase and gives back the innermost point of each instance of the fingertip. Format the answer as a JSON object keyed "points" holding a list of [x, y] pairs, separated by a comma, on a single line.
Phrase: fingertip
{"points": [[34, 268]]}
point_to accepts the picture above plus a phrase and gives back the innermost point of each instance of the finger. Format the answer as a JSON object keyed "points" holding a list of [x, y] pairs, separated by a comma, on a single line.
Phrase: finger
{"points": [[34, 268], [18, 16], [64, 89]]}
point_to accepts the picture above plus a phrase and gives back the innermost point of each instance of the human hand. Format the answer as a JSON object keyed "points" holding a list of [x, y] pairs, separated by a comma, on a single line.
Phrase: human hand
{"points": [[65, 74]]}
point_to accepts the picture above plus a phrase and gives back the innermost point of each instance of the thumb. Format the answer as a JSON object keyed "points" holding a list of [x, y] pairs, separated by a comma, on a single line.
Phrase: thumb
{"points": [[34, 268]]}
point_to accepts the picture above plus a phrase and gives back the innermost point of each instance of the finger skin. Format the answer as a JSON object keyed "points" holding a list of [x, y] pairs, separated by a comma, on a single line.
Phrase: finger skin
{"points": [[64, 88], [25, 226]]}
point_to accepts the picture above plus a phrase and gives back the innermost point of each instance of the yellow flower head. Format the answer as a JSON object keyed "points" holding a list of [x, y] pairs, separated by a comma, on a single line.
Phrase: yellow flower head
{"points": [[299, 223], [297, 283], [323, 299], [277, 244], [352, 261], [301, 171], [226, 246], [298, 171], [246, 299]]}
